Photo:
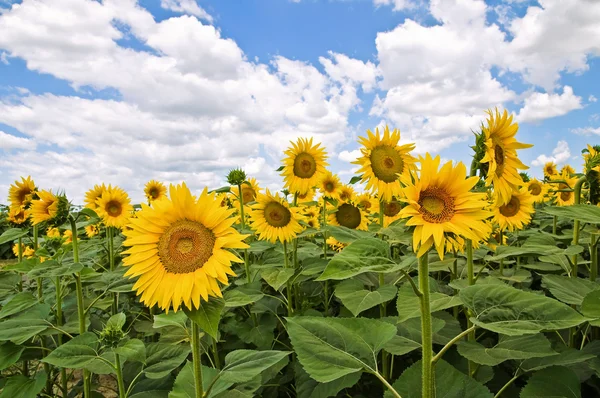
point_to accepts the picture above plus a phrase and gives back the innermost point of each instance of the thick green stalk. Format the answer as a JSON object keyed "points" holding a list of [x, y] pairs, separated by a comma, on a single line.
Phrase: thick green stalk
{"points": [[197, 358], [577, 193], [288, 283], [40, 281], [593, 256], [40, 293], [471, 280], [59, 322], [216, 354], [426, 333], [501, 260], [110, 232], [326, 285], [382, 314], [20, 286], [120, 382], [554, 224], [243, 223]]}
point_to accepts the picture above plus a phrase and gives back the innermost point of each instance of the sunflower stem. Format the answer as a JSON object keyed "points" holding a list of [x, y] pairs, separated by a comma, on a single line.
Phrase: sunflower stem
{"points": [[20, 286], [471, 281], [111, 262], [120, 382], [382, 314], [426, 334], [40, 293], [59, 322], [326, 285], [197, 359], [501, 260], [216, 354], [288, 283], [593, 256], [243, 224], [381, 206], [577, 193], [554, 223]]}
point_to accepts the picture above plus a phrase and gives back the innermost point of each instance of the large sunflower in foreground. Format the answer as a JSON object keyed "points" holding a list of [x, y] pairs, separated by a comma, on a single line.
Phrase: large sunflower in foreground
{"points": [[567, 196], [501, 155], [537, 189], [93, 195], [20, 194], [45, 208], [114, 207], [441, 204], [515, 214], [550, 170], [304, 165], [179, 249], [155, 190], [350, 216], [384, 163], [274, 220]]}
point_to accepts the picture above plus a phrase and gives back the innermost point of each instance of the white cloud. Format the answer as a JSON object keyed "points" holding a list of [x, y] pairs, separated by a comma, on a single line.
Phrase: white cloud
{"points": [[398, 5], [346, 69], [592, 98], [540, 106], [186, 7], [586, 131], [560, 155], [350, 156], [9, 141]]}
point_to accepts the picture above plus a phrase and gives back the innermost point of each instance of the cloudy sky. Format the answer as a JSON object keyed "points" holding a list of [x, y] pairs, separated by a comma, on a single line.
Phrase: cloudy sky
{"points": [[122, 91]]}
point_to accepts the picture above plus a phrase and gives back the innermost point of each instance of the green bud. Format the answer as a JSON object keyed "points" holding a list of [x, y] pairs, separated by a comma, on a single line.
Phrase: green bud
{"points": [[236, 177], [111, 337]]}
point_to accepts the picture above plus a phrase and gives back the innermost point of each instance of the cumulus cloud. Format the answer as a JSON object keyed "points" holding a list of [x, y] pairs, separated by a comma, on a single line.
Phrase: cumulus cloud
{"points": [[186, 7], [586, 131], [540, 106], [560, 155], [9, 141], [350, 156], [398, 5]]}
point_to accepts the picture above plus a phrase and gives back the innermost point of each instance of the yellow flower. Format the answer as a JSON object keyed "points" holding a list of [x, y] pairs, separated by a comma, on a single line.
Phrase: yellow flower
{"points": [[313, 222], [493, 240], [179, 249], [18, 215], [330, 186], [501, 155], [91, 230], [312, 211], [550, 170], [306, 197], [335, 244], [440, 203], [346, 193], [45, 208], [92, 196], [538, 190], [21, 193], [384, 163], [27, 251], [155, 190], [568, 170], [515, 214], [368, 202], [53, 233], [250, 190], [350, 216], [274, 220], [391, 212], [565, 198], [114, 207], [67, 236], [304, 165]]}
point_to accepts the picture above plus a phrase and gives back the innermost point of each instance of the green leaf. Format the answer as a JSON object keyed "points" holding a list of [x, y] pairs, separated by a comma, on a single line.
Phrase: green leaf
{"points": [[307, 387], [555, 382], [20, 329], [13, 234], [178, 319], [52, 269], [207, 316], [399, 345], [24, 387], [277, 277], [355, 179], [116, 321], [76, 353], [506, 310], [243, 365], [133, 349], [449, 383], [503, 252], [519, 347], [346, 235], [9, 354], [242, 296], [162, 359], [408, 304], [584, 213], [590, 307], [568, 290], [18, 303], [352, 294], [330, 348], [567, 357], [360, 256], [185, 386]]}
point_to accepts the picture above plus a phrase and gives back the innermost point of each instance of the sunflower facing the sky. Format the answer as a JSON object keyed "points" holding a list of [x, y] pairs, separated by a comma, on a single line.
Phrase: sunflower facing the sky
{"points": [[274, 220], [45, 208], [501, 154], [304, 165], [550, 170], [515, 214], [567, 196], [537, 189], [114, 207], [20, 194], [179, 248], [350, 216], [330, 186], [440, 203], [155, 190], [93, 195], [384, 163]]}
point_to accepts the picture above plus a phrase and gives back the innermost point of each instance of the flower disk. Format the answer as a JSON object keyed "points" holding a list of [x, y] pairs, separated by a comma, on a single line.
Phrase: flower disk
{"points": [[155, 190], [114, 207], [274, 220], [441, 206], [350, 216], [564, 195], [550, 170], [179, 249], [304, 166], [385, 164], [537, 189]]}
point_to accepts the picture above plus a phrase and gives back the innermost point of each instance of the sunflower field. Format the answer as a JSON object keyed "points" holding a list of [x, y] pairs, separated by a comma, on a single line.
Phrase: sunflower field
{"points": [[418, 278]]}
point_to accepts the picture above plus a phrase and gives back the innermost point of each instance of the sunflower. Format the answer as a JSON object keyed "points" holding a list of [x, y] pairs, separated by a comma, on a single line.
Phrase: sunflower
{"points": [[391, 211], [179, 249], [67, 236], [27, 251], [567, 169], [537, 189], [53, 233], [347, 193], [330, 186], [91, 230], [20, 194], [550, 170], [311, 211], [368, 203], [92, 196], [250, 190], [566, 197], [335, 244], [313, 222], [18, 215], [493, 240], [114, 207], [307, 197], [501, 154], [155, 190], [515, 214], [45, 208], [273, 219], [440, 204], [350, 216], [384, 163], [304, 165]]}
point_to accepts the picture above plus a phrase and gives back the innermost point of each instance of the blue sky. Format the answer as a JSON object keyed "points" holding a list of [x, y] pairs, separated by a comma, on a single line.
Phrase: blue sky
{"points": [[123, 91]]}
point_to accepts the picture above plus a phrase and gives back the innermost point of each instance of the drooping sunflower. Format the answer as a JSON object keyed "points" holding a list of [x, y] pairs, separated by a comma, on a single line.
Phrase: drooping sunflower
{"points": [[567, 196], [368, 202], [250, 190], [179, 249], [304, 165], [538, 190], [391, 211], [350, 216], [440, 203], [155, 190], [384, 163], [114, 207], [20, 194], [53, 233], [91, 230], [501, 154], [550, 170], [330, 186], [92, 196], [567, 169], [515, 214], [45, 208], [274, 220], [18, 215]]}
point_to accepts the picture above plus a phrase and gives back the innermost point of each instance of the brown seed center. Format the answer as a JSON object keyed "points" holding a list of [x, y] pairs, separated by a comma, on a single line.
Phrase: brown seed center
{"points": [[113, 208], [304, 165], [535, 189], [511, 208], [386, 163], [348, 216], [185, 246], [277, 215], [391, 209], [437, 206]]}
